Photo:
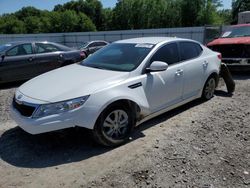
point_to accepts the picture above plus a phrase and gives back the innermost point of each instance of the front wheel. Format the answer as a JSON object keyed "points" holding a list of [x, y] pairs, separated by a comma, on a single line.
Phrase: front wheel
{"points": [[114, 125], [209, 88]]}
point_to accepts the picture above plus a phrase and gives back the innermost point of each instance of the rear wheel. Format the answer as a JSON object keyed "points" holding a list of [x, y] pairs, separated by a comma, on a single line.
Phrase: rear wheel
{"points": [[114, 125], [209, 88]]}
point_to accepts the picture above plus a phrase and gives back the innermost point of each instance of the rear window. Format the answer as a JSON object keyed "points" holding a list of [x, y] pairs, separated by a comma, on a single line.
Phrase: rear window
{"points": [[46, 48], [189, 50]]}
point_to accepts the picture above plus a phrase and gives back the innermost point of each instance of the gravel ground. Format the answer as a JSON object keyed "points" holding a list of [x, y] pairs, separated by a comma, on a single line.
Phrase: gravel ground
{"points": [[197, 145]]}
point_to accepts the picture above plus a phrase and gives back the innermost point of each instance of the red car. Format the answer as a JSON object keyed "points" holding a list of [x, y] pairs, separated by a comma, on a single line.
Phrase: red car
{"points": [[234, 45]]}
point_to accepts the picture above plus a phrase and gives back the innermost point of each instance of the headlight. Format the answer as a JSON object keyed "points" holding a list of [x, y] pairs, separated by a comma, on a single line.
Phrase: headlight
{"points": [[59, 107]]}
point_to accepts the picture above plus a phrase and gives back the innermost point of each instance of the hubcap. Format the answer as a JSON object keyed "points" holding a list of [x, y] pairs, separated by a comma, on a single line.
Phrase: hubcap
{"points": [[210, 87], [115, 125]]}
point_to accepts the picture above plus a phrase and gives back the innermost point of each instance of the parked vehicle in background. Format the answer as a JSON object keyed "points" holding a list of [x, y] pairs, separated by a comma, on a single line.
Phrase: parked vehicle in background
{"points": [[92, 46], [234, 45], [25, 60], [118, 87]]}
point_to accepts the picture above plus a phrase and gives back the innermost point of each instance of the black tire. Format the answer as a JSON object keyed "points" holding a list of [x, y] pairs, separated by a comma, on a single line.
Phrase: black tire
{"points": [[209, 88], [100, 132], [227, 77]]}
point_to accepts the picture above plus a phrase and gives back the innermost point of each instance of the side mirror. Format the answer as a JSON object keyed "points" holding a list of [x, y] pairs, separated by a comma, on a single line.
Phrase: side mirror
{"points": [[2, 57], [157, 66]]}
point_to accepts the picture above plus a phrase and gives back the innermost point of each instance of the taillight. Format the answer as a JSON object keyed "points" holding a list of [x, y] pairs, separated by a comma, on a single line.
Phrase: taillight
{"points": [[82, 54], [220, 56]]}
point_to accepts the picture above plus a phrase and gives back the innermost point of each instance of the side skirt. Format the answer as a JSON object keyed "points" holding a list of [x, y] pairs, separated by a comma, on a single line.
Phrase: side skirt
{"points": [[146, 118]]}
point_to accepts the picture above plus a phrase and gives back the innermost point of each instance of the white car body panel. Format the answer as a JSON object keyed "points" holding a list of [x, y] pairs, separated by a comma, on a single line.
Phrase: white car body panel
{"points": [[159, 91], [50, 86]]}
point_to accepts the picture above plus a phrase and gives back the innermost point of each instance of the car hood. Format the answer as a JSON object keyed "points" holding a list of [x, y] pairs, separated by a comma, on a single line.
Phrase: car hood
{"points": [[70, 82], [225, 41]]}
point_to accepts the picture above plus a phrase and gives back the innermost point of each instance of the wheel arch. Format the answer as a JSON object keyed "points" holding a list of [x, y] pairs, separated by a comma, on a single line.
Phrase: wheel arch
{"points": [[136, 108], [215, 75]]}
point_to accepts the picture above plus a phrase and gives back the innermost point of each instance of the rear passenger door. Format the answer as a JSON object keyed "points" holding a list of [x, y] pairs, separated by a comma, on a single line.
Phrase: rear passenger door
{"points": [[193, 66], [48, 57]]}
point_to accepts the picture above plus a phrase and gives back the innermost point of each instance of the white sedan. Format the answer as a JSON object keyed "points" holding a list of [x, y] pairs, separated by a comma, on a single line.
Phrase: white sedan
{"points": [[118, 87]]}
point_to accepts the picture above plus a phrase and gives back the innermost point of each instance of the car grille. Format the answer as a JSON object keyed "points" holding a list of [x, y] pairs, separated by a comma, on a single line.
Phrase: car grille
{"points": [[25, 110], [233, 51]]}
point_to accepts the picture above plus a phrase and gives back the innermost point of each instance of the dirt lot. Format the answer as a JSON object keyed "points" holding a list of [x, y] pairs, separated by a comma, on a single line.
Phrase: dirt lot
{"points": [[198, 145]]}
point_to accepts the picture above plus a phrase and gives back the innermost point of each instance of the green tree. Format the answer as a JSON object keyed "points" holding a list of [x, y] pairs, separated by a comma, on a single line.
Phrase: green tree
{"points": [[190, 10], [107, 19], [27, 12], [92, 8], [33, 24], [68, 21], [226, 16], [84, 23], [137, 14], [9, 24]]}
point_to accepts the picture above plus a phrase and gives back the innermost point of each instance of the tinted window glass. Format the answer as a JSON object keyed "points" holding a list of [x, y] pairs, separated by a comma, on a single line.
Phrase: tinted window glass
{"points": [[23, 49], [84, 45], [101, 43], [94, 44], [12, 52], [46, 48], [189, 50], [119, 57], [168, 54], [28, 48]]}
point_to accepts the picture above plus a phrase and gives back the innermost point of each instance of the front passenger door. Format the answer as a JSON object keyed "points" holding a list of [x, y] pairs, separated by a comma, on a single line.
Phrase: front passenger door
{"points": [[18, 63], [164, 89]]}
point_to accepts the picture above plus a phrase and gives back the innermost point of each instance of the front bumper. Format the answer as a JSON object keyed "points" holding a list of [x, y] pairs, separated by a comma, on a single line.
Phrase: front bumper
{"points": [[237, 64], [41, 125], [85, 116]]}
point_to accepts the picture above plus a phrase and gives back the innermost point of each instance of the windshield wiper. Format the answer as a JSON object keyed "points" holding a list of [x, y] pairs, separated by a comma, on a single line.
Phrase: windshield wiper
{"points": [[96, 66]]}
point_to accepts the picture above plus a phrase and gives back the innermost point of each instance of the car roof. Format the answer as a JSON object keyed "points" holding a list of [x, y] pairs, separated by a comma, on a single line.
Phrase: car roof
{"points": [[28, 41], [240, 25], [97, 41], [150, 40], [12, 44]]}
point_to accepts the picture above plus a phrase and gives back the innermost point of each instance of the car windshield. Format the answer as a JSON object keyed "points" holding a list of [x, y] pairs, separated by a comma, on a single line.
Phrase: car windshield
{"points": [[233, 32], [119, 57], [4, 47]]}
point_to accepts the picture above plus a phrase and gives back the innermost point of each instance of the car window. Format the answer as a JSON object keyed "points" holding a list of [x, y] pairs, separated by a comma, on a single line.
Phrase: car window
{"points": [[94, 44], [23, 49], [168, 53], [46, 48], [189, 50], [101, 44]]}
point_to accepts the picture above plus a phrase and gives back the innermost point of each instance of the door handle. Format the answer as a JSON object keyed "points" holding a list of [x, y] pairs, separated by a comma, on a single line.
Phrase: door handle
{"points": [[205, 63], [30, 59], [179, 72]]}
